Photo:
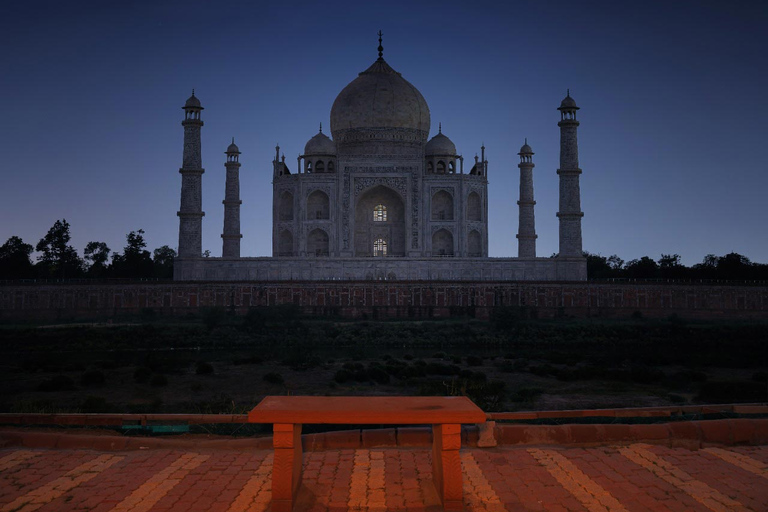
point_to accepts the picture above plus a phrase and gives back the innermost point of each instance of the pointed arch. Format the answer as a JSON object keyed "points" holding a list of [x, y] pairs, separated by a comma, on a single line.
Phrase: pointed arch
{"points": [[474, 244], [474, 207], [317, 243], [285, 209], [442, 205], [318, 206], [285, 243], [442, 243]]}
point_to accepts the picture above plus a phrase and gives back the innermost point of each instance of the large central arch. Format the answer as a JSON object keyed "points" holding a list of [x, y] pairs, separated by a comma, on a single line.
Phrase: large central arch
{"points": [[379, 217]]}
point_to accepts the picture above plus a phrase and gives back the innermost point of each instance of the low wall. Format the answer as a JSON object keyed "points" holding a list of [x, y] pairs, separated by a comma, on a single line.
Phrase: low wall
{"points": [[387, 299]]}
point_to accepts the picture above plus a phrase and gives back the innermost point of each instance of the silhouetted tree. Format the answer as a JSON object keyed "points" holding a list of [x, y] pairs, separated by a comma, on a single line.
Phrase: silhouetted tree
{"points": [[163, 261], [135, 260], [615, 263], [14, 259], [644, 268], [670, 267], [58, 258], [96, 255], [734, 266], [597, 266]]}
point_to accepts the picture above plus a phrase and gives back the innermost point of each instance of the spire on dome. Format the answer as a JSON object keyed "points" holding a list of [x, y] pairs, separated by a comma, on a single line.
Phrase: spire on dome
{"points": [[440, 127], [381, 48], [321, 127]]}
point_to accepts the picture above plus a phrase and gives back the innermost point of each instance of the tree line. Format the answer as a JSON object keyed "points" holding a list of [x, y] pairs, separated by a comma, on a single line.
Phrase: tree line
{"points": [[59, 260], [730, 267]]}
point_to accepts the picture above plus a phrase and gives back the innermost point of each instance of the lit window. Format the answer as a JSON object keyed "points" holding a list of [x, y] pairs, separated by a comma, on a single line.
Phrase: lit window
{"points": [[380, 247], [380, 213]]}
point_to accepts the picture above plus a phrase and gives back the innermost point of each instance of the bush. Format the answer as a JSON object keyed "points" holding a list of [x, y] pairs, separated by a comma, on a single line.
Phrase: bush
{"points": [[95, 404], [142, 374], [343, 376], [58, 383], [274, 378], [474, 361], [203, 368], [92, 378], [732, 392], [378, 375], [158, 380]]}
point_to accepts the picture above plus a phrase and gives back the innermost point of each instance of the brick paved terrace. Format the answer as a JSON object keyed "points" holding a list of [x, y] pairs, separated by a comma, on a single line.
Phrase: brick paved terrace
{"points": [[718, 465]]}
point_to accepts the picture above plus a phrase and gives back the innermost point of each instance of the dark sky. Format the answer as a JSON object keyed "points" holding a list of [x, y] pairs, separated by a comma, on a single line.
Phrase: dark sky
{"points": [[672, 96]]}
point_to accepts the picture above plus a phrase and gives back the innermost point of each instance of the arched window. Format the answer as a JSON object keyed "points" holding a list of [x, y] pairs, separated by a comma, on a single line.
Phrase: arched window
{"points": [[286, 206], [452, 167], [430, 167], [380, 247], [309, 166], [318, 205], [440, 167], [330, 166], [442, 206], [319, 167], [285, 243], [474, 244], [380, 213], [474, 211]]}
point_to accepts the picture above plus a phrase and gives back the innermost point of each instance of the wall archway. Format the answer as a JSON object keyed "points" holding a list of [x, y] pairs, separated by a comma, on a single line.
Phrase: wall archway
{"points": [[442, 206], [318, 206], [474, 244], [317, 243], [442, 243], [285, 243], [368, 229], [285, 209], [474, 207]]}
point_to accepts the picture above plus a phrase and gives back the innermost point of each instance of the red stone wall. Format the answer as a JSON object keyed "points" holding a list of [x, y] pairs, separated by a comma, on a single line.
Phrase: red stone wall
{"points": [[387, 299]]}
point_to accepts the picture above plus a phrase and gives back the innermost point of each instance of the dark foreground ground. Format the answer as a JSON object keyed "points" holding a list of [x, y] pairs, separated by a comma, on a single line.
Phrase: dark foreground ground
{"points": [[218, 363], [634, 477]]}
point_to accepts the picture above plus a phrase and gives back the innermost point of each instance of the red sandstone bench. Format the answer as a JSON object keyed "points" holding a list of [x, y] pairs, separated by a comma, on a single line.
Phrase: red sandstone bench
{"points": [[288, 413]]}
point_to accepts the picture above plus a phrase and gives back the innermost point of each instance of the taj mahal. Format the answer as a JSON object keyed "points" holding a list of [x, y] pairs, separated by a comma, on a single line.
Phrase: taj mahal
{"points": [[379, 200]]}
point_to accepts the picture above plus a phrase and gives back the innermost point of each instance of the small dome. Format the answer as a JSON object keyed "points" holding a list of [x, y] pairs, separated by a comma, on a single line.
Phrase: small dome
{"points": [[526, 149], [193, 102], [233, 147], [440, 145], [568, 103], [320, 144]]}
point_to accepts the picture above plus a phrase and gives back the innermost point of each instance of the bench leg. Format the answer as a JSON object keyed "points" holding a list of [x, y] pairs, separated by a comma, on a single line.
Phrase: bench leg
{"points": [[286, 469], [446, 465]]}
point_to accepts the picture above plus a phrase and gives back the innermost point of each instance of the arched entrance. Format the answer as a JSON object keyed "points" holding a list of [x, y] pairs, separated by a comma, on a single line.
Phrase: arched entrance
{"points": [[379, 222]]}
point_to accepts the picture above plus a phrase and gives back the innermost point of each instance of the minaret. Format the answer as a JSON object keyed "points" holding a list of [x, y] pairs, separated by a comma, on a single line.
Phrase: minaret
{"points": [[231, 236], [191, 211], [526, 232], [570, 213]]}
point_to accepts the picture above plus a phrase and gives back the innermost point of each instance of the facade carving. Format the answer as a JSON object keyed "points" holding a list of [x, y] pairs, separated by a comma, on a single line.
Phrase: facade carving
{"points": [[379, 199]]}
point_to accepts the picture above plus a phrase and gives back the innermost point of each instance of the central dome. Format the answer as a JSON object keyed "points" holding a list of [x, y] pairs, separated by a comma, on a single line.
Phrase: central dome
{"points": [[380, 98]]}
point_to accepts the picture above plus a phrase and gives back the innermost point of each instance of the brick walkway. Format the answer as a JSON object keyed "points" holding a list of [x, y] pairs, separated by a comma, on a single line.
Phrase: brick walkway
{"points": [[636, 477]]}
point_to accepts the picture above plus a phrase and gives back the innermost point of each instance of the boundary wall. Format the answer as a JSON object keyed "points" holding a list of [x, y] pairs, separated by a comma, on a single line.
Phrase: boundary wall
{"points": [[387, 299]]}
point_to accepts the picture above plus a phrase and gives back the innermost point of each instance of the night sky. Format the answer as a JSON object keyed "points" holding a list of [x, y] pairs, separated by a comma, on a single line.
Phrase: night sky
{"points": [[672, 94]]}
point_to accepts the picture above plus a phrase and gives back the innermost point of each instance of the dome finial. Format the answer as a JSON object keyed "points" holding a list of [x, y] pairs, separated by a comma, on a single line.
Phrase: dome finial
{"points": [[526, 140], [568, 92], [381, 48], [193, 92], [321, 127], [233, 140], [440, 127]]}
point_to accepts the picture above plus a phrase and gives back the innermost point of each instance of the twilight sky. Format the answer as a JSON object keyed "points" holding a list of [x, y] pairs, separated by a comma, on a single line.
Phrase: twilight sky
{"points": [[672, 95]]}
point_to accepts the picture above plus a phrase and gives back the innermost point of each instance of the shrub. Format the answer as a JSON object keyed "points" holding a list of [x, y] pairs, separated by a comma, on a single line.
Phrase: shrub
{"points": [[474, 361], [57, 383], [203, 368], [274, 378], [142, 374], [95, 404], [732, 392], [343, 376], [158, 380], [378, 375], [92, 378]]}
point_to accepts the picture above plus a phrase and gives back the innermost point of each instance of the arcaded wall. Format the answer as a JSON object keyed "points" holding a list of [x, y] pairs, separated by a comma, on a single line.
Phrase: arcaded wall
{"points": [[387, 299]]}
